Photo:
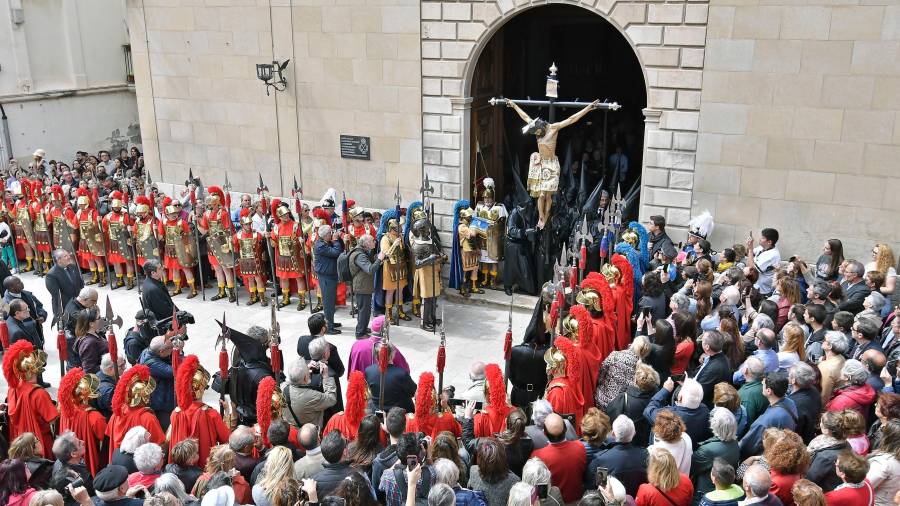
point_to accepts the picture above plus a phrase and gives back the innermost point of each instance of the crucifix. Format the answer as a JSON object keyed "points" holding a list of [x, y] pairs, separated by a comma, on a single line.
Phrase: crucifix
{"points": [[543, 166]]}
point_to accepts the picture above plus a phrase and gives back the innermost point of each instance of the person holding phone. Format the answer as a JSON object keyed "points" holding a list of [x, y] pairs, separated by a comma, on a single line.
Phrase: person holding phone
{"points": [[411, 468]]}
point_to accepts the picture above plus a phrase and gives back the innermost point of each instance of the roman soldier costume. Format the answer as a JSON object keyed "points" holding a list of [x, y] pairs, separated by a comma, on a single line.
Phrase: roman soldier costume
{"points": [[24, 225], [394, 273], [564, 367], [466, 251], [30, 408], [248, 244], [494, 213], [129, 402], [428, 418], [427, 280], [270, 403], [288, 252], [91, 244], [619, 275], [144, 231], [597, 298], [181, 255], [40, 223], [61, 219], [347, 421], [577, 327], [191, 417], [492, 419], [216, 224], [76, 391], [120, 253]]}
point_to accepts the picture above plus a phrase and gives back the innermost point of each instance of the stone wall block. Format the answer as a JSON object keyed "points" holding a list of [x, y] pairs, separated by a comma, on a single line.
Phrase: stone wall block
{"points": [[645, 34], [655, 177], [685, 35], [666, 13], [438, 30], [734, 55], [668, 198], [678, 120], [681, 180], [625, 14]]}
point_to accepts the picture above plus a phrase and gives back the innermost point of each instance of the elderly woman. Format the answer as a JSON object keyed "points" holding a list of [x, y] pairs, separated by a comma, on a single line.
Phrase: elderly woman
{"points": [[669, 434], [856, 393], [595, 427], [444, 446], [539, 411], [148, 459], [27, 448], [825, 448], [725, 396], [835, 346], [787, 459], [666, 484], [634, 400], [306, 404], [491, 473], [124, 454], [168, 482], [447, 472], [617, 371], [536, 474], [873, 305], [884, 464], [520, 495], [723, 445]]}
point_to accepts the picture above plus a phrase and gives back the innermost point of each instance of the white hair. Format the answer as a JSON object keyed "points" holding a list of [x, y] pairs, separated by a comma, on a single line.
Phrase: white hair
{"points": [[135, 437], [298, 372], [106, 363], [520, 494], [691, 394], [317, 348], [324, 230], [445, 471], [148, 457], [536, 472], [623, 429], [168, 482], [838, 341], [110, 495], [723, 424], [87, 293], [754, 368], [540, 409], [855, 372], [877, 301], [441, 495]]}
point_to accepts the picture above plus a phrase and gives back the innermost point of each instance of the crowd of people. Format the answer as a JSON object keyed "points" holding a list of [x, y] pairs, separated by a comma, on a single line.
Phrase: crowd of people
{"points": [[666, 376]]}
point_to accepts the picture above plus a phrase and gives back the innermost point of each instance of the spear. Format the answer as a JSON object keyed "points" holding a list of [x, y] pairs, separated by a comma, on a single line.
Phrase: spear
{"points": [[274, 341], [61, 337], [261, 191], [113, 345], [507, 339], [345, 224], [297, 193], [196, 231], [441, 355], [223, 362], [398, 297], [174, 333], [383, 358]]}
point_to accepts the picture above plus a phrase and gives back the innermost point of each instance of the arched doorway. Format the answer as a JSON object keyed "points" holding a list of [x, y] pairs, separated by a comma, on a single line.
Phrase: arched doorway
{"points": [[595, 61]]}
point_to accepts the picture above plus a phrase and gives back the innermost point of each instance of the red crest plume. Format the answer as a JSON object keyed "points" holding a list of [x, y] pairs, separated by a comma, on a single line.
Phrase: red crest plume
{"points": [[245, 212], [184, 391], [355, 409], [166, 202], [143, 200], [441, 359], [264, 406], [15, 350], [4, 334], [273, 211], [66, 393], [572, 353], [116, 195], [120, 395], [37, 186], [223, 363], [425, 417], [57, 191], [585, 324], [217, 191], [627, 279], [496, 394], [112, 345], [82, 192], [596, 282], [321, 214]]}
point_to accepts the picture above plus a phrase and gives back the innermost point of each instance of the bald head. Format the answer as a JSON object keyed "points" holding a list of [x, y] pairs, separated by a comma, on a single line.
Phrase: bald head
{"points": [[555, 428], [873, 360], [476, 371], [757, 481], [309, 436], [160, 346]]}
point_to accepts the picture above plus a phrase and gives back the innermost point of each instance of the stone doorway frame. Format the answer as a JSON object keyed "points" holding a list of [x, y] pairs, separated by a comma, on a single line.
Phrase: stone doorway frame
{"points": [[669, 42]]}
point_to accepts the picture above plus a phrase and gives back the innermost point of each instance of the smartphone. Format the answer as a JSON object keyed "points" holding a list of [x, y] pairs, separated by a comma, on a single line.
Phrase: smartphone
{"points": [[411, 462], [380, 415], [542, 491], [678, 377], [645, 311], [77, 482], [602, 474]]}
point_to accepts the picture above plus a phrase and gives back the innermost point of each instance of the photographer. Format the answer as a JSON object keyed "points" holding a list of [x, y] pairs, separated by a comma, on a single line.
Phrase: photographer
{"points": [[69, 469], [306, 404], [138, 337], [155, 297], [395, 481]]}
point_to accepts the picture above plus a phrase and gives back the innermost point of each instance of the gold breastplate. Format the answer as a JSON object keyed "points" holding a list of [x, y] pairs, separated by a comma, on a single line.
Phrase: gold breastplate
{"points": [[115, 228], [247, 246], [40, 223], [173, 233], [22, 216], [285, 245], [144, 231], [215, 225]]}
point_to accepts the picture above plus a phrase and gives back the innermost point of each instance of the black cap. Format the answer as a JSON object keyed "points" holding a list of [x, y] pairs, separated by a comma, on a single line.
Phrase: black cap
{"points": [[110, 478], [144, 314]]}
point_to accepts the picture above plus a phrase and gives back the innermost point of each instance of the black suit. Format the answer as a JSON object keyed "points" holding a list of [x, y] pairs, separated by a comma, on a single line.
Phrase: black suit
{"points": [[157, 299], [24, 330], [809, 407], [63, 285], [854, 297], [35, 308], [714, 370], [399, 387], [335, 370]]}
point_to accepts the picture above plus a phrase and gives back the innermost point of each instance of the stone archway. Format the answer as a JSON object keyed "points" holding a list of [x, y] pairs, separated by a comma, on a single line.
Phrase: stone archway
{"points": [[669, 41]]}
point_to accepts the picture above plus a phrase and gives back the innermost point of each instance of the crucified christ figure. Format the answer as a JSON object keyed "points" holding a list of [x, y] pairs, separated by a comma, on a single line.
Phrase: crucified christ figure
{"points": [[543, 166]]}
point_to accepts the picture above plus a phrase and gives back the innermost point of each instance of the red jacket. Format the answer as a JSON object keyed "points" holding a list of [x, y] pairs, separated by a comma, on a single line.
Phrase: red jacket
{"points": [[566, 461], [648, 495], [859, 398], [851, 496]]}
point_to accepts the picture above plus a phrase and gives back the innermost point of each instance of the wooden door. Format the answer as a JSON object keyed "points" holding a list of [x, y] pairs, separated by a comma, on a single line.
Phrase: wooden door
{"points": [[486, 159]]}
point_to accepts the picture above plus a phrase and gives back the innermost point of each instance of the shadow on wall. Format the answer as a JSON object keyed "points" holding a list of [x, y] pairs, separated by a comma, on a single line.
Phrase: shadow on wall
{"points": [[132, 137]]}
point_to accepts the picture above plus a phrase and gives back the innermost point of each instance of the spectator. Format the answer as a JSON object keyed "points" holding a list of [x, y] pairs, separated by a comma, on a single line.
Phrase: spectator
{"points": [[787, 459], [69, 466], [801, 378], [14, 488], [241, 441], [807, 493], [662, 347], [113, 489], [399, 387], [765, 342], [854, 288], [364, 263], [874, 361], [725, 493], [617, 371], [158, 357], [362, 353], [475, 390], [277, 475], [219, 463], [756, 487], [154, 295], [15, 289], [714, 367], [752, 398], [491, 474], [395, 482], [138, 337], [363, 450], [326, 251], [355, 491], [666, 484], [540, 410], [721, 447], [304, 404], [517, 445], [856, 393], [313, 462], [855, 430], [887, 408], [835, 347], [764, 259], [171, 484], [815, 316], [782, 413], [865, 334], [447, 472], [148, 459], [535, 473], [595, 426], [278, 434], [884, 464], [395, 426], [792, 351], [725, 396], [624, 459], [684, 325], [653, 298], [184, 457], [634, 400], [124, 454], [825, 448], [688, 407], [27, 448], [87, 298], [444, 446], [89, 341], [669, 434], [22, 327], [565, 459], [855, 489], [440, 495]]}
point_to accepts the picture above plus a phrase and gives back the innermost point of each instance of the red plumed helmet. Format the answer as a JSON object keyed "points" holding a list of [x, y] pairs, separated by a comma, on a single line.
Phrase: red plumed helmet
{"points": [[273, 210], [573, 364], [351, 203], [120, 395], [496, 394], [184, 379], [57, 192], [355, 409], [143, 200], [264, 406], [596, 282], [37, 187], [627, 279], [425, 417], [4, 334], [585, 324], [166, 202], [66, 393], [321, 213], [245, 212], [217, 191], [13, 354]]}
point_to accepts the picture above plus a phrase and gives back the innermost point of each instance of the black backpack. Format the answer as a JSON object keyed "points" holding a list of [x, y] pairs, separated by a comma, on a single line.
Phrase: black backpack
{"points": [[343, 266]]}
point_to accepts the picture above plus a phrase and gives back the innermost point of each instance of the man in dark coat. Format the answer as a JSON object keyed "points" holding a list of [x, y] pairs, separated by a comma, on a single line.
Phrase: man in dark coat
{"points": [[802, 378], [855, 288], [714, 368], [624, 459], [399, 387], [327, 249], [15, 289], [526, 369], [658, 240], [86, 299], [154, 295], [317, 326], [336, 468], [107, 387], [158, 357], [23, 328], [63, 281], [138, 337], [688, 407]]}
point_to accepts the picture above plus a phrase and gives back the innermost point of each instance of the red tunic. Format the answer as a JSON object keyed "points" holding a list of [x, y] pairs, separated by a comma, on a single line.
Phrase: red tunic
{"points": [[89, 425], [120, 423], [604, 337], [200, 422], [86, 215], [485, 426], [444, 422], [339, 422], [224, 220], [38, 213], [236, 246], [115, 257], [623, 317], [284, 267], [171, 263], [31, 410], [561, 395]]}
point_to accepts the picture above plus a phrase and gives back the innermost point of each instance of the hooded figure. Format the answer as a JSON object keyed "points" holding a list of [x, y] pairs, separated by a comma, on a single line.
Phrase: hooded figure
{"points": [[429, 417], [76, 390], [130, 400], [519, 247], [526, 369], [191, 417], [250, 367]]}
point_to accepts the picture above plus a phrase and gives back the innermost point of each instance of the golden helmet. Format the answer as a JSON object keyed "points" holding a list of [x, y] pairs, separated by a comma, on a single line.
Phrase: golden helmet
{"points": [[570, 327], [139, 392], [393, 224], [555, 360], [284, 213], [200, 382], [21, 361], [170, 209], [589, 299], [246, 220], [212, 200], [84, 200], [419, 214], [354, 212], [142, 209], [611, 273], [631, 237], [465, 214], [88, 388], [488, 193]]}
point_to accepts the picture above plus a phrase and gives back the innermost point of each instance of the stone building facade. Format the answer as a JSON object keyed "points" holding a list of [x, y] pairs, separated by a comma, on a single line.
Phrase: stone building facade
{"points": [[765, 112]]}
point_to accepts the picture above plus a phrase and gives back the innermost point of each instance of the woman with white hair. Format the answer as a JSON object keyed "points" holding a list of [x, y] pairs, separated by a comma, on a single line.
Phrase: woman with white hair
{"points": [[536, 474], [168, 482], [520, 495], [856, 394], [149, 461], [124, 454], [447, 472], [540, 409], [723, 444]]}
